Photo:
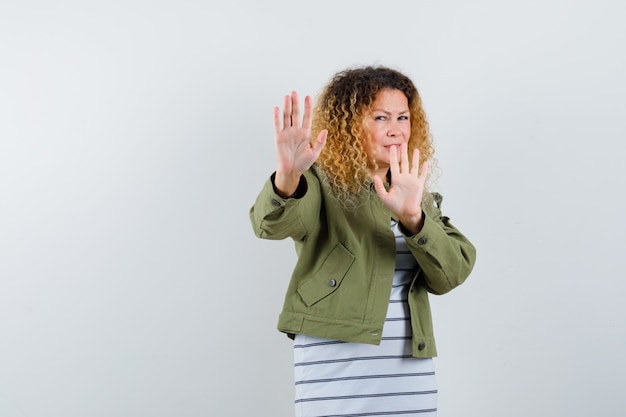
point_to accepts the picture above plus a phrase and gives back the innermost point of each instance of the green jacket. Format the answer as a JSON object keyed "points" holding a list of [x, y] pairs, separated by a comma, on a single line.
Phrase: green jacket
{"points": [[341, 283]]}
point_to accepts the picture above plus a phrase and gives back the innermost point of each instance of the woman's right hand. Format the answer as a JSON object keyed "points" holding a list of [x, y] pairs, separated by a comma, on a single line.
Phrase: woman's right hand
{"points": [[294, 151]]}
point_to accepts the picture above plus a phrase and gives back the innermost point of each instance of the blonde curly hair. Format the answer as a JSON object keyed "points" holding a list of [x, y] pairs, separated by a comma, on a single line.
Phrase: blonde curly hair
{"points": [[342, 107]]}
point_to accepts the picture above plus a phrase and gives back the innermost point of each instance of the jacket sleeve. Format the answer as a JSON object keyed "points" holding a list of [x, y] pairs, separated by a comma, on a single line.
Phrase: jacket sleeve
{"points": [[274, 217], [446, 257]]}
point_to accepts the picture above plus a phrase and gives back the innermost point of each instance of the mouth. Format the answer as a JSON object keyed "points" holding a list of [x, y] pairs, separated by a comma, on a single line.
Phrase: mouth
{"points": [[393, 145]]}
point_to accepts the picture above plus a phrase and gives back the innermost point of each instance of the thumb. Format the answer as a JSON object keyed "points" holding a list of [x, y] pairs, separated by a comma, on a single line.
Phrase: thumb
{"points": [[379, 187], [320, 142]]}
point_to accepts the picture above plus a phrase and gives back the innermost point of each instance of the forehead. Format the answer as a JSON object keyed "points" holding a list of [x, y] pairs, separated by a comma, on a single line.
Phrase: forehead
{"points": [[390, 99]]}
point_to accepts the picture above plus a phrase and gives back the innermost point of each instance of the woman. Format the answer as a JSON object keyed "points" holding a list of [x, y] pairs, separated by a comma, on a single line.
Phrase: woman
{"points": [[350, 190]]}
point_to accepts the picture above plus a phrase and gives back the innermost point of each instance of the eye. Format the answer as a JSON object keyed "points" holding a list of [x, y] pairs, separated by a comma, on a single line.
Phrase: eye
{"points": [[403, 118], [381, 118]]}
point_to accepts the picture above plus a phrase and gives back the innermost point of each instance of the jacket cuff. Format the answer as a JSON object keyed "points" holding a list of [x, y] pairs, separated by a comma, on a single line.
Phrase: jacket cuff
{"points": [[426, 237], [269, 201], [300, 190]]}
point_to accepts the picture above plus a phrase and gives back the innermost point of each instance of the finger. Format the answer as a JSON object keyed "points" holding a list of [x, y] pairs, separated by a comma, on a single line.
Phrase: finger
{"points": [[415, 164], [307, 120], [424, 173], [276, 120], [287, 112], [295, 109], [404, 157], [393, 162]]}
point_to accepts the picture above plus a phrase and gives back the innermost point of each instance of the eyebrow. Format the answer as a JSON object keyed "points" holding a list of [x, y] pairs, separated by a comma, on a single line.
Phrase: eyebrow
{"points": [[387, 112]]}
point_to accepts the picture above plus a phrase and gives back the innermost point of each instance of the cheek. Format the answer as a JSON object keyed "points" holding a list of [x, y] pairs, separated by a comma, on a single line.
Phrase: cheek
{"points": [[377, 137]]}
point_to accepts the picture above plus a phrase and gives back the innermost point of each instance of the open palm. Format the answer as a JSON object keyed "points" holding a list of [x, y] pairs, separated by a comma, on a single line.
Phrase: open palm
{"points": [[294, 151], [404, 197]]}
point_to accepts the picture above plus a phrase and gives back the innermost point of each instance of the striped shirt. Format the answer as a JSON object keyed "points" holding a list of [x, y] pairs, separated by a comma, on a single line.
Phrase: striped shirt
{"points": [[341, 379]]}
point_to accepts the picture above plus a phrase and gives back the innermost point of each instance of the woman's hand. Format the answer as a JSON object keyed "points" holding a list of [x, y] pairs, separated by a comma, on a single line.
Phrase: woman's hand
{"points": [[294, 151], [404, 197]]}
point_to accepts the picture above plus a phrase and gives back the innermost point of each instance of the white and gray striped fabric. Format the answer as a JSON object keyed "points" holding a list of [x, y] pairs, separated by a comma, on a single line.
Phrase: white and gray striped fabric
{"points": [[339, 379]]}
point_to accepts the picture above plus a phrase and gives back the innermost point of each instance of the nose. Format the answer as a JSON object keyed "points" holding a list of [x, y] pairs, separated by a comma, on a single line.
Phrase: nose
{"points": [[394, 129]]}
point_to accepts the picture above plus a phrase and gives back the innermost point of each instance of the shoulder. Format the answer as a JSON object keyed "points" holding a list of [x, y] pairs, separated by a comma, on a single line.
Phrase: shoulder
{"points": [[431, 204]]}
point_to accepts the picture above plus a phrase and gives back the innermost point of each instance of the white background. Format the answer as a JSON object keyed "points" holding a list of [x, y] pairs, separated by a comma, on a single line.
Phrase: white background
{"points": [[134, 136]]}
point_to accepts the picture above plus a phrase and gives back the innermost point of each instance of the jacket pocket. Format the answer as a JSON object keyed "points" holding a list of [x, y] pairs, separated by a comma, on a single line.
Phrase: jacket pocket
{"points": [[328, 278]]}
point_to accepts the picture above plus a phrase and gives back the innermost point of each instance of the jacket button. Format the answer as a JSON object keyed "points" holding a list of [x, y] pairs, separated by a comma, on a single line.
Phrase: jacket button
{"points": [[275, 202], [422, 240], [332, 283], [421, 346]]}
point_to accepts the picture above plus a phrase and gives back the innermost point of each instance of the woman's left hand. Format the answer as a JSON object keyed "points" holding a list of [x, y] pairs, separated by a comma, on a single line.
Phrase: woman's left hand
{"points": [[404, 197]]}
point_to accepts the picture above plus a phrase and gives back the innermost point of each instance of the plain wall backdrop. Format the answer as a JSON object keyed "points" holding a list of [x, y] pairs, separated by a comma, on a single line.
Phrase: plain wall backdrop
{"points": [[135, 135]]}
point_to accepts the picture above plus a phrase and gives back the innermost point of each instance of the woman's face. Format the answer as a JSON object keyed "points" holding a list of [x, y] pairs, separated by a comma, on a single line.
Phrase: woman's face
{"points": [[388, 125]]}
